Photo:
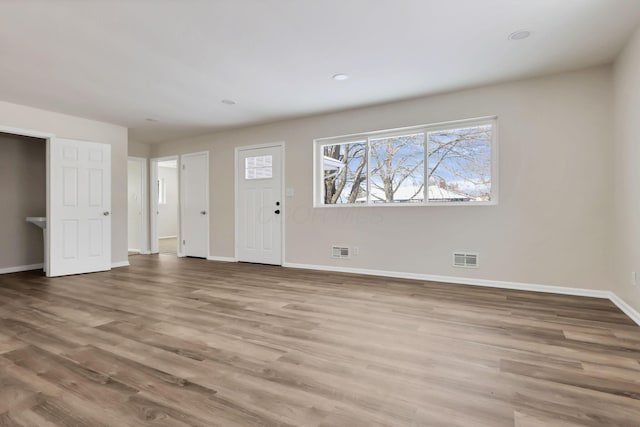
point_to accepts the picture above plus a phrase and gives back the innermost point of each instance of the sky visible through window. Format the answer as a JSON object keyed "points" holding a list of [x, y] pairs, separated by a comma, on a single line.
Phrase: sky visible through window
{"points": [[459, 167]]}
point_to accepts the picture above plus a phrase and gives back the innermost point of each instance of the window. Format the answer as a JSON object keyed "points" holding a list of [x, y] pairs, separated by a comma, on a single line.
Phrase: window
{"points": [[449, 163], [258, 167], [344, 173]]}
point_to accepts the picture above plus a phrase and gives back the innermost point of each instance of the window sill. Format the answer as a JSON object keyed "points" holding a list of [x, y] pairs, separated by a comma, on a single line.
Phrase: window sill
{"points": [[406, 205]]}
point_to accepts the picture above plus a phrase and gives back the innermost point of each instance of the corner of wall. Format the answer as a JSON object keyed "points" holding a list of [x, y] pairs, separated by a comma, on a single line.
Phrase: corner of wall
{"points": [[626, 150]]}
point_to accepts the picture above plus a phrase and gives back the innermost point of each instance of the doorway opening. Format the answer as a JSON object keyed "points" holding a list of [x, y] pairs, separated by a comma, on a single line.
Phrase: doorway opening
{"points": [[23, 189], [76, 226], [165, 227]]}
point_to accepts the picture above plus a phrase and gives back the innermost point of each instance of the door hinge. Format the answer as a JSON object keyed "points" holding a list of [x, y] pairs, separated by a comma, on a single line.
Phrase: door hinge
{"points": [[184, 167], [184, 242]]}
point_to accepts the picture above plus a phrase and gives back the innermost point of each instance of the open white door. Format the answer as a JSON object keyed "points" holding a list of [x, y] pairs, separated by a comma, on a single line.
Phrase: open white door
{"points": [[194, 202], [79, 217], [259, 209]]}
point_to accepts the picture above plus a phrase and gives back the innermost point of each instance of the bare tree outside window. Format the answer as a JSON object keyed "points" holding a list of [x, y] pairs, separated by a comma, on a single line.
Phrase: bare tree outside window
{"points": [[458, 167], [460, 164], [397, 169], [344, 169]]}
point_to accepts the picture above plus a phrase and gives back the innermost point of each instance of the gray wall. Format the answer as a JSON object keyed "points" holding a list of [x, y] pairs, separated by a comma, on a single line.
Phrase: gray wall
{"points": [[23, 193]]}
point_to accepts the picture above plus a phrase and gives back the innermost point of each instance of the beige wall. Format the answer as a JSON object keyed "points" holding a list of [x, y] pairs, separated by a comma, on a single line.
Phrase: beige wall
{"points": [[64, 126], [550, 227], [23, 193], [626, 141], [139, 149]]}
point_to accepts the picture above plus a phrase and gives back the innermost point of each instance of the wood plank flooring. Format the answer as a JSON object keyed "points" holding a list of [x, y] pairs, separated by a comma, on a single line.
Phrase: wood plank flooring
{"points": [[187, 342]]}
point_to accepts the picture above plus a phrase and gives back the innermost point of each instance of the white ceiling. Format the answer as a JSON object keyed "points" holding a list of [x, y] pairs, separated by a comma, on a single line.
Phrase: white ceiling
{"points": [[122, 61]]}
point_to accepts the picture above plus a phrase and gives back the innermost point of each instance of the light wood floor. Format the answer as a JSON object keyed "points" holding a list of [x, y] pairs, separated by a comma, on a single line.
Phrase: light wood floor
{"points": [[168, 245], [182, 342]]}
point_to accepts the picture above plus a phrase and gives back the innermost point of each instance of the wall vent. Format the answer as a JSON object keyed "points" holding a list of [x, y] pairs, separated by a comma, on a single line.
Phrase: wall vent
{"points": [[339, 252], [465, 260]]}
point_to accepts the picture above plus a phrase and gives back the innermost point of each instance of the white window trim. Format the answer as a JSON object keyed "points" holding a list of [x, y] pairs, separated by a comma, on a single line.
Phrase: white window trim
{"points": [[318, 157]]}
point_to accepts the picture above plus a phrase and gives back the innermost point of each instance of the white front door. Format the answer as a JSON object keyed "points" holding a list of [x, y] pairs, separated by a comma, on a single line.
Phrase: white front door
{"points": [[259, 205], [195, 204], [79, 217]]}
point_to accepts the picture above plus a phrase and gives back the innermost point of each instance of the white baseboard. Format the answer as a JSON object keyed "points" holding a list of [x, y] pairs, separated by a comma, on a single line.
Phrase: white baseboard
{"points": [[222, 258], [120, 264], [19, 268], [459, 280], [626, 308], [168, 237], [139, 251], [594, 293]]}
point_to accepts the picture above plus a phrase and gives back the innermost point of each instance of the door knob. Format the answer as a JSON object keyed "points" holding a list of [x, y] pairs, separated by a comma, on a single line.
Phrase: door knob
{"points": [[203, 212], [106, 213], [277, 211]]}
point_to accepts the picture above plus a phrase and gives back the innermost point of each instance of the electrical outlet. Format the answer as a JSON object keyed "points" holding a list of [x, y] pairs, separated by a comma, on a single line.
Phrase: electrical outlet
{"points": [[356, 250]]}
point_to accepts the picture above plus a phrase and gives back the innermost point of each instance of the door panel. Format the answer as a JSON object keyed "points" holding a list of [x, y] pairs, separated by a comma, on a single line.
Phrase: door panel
{"points": [[260, 207], [195, 205], [80, 207]]}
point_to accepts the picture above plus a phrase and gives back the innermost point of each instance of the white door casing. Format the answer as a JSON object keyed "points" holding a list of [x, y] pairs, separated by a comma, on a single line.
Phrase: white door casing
{"points": [[259, 205], [194, 204], [79, 218]]}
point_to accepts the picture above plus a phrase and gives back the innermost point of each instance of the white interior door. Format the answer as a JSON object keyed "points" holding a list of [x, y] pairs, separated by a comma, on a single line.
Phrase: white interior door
{"points": [[80, 207], [259, 205], [194, 202]]}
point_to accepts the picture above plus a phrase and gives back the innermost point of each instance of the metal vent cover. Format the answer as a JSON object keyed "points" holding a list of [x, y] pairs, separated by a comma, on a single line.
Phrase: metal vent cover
{"points": [[465, 260], [340, 252]]}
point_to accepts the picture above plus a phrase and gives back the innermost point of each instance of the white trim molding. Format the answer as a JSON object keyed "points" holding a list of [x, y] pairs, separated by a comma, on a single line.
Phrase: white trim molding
{"points": [[26, 132], [144, 191], [20, 268], [120, 264], [626, 308], [222, 258], [593, 293]]}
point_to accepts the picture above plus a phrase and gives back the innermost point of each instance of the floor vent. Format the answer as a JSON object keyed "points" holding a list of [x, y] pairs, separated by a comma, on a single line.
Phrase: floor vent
{"points": [[340, 252], [465, 260]]}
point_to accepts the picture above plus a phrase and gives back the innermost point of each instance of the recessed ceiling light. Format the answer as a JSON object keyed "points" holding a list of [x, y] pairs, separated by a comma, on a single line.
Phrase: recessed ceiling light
{"points": [[340, 77], [149, 119], [228, 102], [519, 35]]}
